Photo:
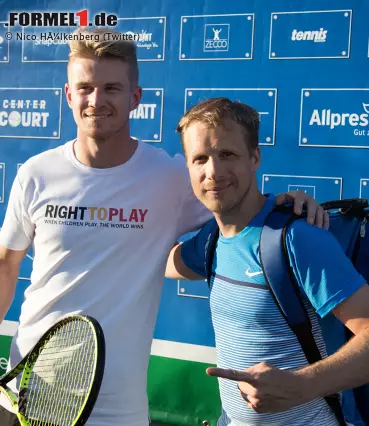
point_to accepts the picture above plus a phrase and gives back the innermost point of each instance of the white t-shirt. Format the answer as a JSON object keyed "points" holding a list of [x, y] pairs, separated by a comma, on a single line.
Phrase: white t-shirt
{"points": [[101, 238]]}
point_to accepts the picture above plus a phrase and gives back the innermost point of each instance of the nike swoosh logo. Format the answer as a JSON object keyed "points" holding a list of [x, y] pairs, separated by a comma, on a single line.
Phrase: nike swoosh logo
{"points": [[252, 274]]}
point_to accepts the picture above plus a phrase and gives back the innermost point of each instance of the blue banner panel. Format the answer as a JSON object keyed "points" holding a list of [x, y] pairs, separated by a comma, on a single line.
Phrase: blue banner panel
{"points": [[263, 100], [184, 306], [320, 187], [40, 44], [185, 319], [30, 113], [147, 118], [335, 118], [44, 44], [314, 34], [2, 182], [4, 42], [149, 35], [214, 37], [193, 289], [26, 267], [308, 189], [364, 188]]}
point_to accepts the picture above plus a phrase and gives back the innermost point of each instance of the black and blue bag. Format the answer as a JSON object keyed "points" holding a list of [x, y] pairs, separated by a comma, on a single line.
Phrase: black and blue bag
{"points": [[349, 220]]}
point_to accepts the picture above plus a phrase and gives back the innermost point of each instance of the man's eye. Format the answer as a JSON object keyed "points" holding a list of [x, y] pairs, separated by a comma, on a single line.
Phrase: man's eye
{"points": [[227, 154], [201, 159]]}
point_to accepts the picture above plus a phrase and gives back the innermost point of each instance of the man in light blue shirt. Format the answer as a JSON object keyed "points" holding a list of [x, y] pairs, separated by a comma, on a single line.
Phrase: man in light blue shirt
{"points": [[264, 376]]}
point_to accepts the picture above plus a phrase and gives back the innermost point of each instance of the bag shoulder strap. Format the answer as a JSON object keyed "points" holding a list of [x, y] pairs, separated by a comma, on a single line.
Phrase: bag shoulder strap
{"points": [[284, 288], [210, 246]]}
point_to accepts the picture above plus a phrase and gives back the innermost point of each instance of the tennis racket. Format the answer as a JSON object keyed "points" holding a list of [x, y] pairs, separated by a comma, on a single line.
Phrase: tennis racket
{"points": [[61, 375]]}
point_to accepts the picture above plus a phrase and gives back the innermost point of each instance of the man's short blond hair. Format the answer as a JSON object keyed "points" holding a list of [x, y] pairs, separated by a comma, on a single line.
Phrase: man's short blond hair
{"points": [[217, 112], [97, 43]]}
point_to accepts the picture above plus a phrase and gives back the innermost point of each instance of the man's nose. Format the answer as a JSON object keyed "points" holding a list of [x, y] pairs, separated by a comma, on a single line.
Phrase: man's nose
{"points": [[96, 98], [214, 169]]}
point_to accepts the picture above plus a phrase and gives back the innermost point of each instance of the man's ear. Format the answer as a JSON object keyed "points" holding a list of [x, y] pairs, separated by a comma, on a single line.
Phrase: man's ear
{"points": [[256, 159], [68, 94], [136, 97]]}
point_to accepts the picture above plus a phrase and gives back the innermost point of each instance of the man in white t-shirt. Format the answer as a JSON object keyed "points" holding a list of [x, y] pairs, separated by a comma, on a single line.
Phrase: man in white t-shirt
{"points": [[101, 213]]}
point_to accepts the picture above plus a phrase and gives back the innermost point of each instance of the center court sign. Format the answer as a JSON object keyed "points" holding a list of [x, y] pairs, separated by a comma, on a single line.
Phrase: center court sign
{"points": [[334, 118], [30, 113]]}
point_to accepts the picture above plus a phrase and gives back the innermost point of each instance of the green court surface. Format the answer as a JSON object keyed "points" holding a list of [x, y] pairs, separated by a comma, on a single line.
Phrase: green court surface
{"points": [[4, 352], [181, 393]]}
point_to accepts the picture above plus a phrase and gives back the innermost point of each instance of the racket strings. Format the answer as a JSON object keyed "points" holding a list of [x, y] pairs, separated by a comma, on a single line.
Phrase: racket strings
{"points": [[62, 376]]}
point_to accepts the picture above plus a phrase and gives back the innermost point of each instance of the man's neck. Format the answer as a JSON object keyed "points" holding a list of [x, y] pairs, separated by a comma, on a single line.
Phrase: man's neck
{"points": [[235, 221], [106, 153]]}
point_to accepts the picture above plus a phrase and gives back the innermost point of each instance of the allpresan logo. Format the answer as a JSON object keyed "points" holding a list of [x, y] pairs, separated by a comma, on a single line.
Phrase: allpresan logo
{"points": [[332, 120]]}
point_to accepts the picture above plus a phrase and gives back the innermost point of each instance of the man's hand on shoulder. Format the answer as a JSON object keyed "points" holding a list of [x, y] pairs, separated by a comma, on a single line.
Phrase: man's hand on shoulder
{"points": [[316, 215]]}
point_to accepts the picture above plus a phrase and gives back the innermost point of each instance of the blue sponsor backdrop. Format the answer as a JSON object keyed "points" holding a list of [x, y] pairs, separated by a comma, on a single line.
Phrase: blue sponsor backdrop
{"points": [[214, 37], [147, 118], [310, 34], [322, 188], [306, 73], [30, 113], [264, 100], [40, 44], [334, 118], [4, 43], [150, 33]]}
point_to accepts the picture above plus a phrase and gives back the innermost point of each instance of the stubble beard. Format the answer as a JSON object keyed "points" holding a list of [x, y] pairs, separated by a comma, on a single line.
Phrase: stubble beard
{"points": [[100, 137], [226, 207]]}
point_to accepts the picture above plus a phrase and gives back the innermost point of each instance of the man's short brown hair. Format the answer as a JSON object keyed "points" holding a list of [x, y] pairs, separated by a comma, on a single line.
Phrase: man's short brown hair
{"points": [[218, 111], [98, 44]]}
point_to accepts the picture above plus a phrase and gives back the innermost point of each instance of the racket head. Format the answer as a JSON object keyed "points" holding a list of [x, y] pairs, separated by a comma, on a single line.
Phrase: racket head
{"points": [[63, 373]]}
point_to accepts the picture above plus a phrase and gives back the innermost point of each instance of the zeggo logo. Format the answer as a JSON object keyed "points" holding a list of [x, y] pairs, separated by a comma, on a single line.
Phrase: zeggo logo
{"points": [[331, 119], [316, 36]]}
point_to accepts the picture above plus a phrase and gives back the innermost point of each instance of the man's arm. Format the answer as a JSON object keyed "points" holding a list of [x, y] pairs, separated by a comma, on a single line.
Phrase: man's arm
{"points": [[176, 268], [186, 260], [349, 366], [16, 237], [10, 261]]}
